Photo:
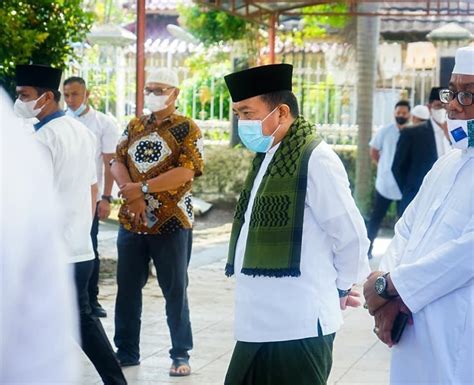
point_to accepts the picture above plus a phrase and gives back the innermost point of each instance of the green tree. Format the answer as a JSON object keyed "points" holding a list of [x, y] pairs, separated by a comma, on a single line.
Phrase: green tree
{"points": [[39, 32], [210, 26]]}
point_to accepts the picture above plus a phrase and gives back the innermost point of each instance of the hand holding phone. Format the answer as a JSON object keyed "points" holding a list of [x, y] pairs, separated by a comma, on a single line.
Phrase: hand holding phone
{"points": [[398, 326]]}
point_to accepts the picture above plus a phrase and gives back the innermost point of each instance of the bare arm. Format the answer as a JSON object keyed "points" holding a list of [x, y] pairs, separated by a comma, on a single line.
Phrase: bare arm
{"points": [[171, 180], [94, 192], [120, 173], [108, 177], [103, 208], [374, 155], [168, 181]]}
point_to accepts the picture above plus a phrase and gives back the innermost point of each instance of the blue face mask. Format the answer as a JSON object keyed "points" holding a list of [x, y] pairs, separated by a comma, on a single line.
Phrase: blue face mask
{"points": [[79, 111], [251, 134]]}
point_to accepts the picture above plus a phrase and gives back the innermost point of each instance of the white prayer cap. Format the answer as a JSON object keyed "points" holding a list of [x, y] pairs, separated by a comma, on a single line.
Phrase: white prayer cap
{"points": [[163, 75], [421, 112], [464, 61]]}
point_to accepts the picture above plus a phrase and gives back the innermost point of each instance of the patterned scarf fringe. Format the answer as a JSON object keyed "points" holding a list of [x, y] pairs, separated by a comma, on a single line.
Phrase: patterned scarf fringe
{"points": [[256, 272]]}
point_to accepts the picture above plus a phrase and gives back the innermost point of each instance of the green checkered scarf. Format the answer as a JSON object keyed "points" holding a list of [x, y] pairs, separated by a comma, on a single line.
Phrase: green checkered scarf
{"points": [[273, 246]]}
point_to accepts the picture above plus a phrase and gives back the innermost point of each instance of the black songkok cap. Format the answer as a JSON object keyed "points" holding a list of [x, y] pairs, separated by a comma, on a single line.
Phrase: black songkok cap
{"points": [[259, 80], [35, 75], [434, 94]]}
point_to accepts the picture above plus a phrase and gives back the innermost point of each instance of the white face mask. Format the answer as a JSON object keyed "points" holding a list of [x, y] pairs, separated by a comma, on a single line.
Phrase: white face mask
{"points": [[156, 103], [27, 109], [461, 133], [439, 116]]}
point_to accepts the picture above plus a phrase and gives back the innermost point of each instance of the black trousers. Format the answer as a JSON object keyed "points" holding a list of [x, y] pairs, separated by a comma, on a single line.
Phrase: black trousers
{"points": [[407, 197], [381, 205], [93, 287], [95, 343], [170, 254]]}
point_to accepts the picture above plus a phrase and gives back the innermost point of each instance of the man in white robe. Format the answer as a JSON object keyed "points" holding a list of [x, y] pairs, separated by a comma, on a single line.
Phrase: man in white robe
{"points": [[37, 315], [430, 262]]}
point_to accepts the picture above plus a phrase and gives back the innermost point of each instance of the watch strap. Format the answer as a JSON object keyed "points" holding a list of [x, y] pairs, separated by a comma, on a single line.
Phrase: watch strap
{"points": [[108, 198], [343, 293]]}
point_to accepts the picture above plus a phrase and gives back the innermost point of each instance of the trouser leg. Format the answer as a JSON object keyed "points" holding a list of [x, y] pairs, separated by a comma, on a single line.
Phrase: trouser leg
{"points": [[171, 254], [381, 205], [95, 343], [132, 274], [94, 279]]}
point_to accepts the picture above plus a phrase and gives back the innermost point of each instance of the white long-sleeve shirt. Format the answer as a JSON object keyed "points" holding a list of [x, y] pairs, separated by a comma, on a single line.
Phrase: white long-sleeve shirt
{"points": [[442, 143], [333, 255], [431, 260]]}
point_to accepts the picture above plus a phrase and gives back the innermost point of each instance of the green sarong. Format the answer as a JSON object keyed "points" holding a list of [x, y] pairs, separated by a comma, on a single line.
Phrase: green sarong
{"points": [[300, 362]]}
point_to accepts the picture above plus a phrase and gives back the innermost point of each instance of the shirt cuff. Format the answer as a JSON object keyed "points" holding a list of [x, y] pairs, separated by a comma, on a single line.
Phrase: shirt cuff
{"points": [[343, 285], [404, 292]]}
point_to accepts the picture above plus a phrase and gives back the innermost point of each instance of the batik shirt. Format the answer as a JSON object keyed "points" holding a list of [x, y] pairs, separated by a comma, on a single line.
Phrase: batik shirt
{"points": [[148, 148]]}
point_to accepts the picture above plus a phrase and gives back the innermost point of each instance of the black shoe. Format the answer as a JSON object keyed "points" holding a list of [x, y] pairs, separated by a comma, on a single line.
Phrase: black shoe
{"points": [[98, 310], [125, 361]]}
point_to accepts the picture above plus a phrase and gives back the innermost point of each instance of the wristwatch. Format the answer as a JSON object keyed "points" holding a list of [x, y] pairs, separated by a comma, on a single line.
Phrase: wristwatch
{"points": [[343, 293], [108, 198], [145, 187], [381, 287]]}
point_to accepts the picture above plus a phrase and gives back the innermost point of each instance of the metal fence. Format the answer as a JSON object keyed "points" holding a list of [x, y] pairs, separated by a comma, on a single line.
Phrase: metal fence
{"points": [[327, 99]]}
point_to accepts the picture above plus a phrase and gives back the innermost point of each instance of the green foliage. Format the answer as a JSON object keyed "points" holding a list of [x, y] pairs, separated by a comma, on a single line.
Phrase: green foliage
{"points": [[317, 26], [109, 11], [225, 170], [203, 67], [212, 26], [39, 31]]}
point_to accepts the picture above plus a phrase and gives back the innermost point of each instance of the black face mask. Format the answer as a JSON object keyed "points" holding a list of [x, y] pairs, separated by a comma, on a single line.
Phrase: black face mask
{"points": [[401, 120]]}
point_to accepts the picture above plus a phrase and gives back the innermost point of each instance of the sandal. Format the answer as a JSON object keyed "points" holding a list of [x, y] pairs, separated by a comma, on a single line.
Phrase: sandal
{"points": [[180, 367]]}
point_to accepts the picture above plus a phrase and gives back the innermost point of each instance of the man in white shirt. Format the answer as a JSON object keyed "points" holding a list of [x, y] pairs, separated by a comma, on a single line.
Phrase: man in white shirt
{"points": [[298, 241], [71, 147], [382, 151], [37, 313], [106, 133], [417, 149], [427, 272]]}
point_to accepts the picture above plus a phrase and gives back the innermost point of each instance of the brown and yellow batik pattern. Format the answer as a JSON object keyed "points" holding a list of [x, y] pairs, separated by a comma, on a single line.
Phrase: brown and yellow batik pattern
{"points": [[149, 149]]}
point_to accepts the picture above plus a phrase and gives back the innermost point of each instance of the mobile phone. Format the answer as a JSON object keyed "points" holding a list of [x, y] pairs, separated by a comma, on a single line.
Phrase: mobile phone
{"points": [[399, 326]]}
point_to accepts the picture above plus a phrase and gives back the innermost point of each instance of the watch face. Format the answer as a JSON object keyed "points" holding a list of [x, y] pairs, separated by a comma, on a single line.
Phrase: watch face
{"points": [[380, 285]]}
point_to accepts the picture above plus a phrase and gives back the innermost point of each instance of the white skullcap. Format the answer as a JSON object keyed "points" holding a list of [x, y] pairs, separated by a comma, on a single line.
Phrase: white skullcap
{"points": [[163, 75], [464, 61], [421, 112]]}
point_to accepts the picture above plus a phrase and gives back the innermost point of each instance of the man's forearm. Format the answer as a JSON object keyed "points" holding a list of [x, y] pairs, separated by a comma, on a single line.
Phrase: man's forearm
{"points": [[170, 180], [108, 177], [94, 192], [120, 173]]}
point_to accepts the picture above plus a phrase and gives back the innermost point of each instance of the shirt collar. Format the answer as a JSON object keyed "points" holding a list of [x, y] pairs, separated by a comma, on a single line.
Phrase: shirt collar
{"points": [[435, 125], [274, 148], [89, 112], [48, 118]]}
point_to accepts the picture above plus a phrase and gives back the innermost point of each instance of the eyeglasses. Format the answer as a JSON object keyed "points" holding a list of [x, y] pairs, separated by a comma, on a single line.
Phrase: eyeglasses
{"points": [[156, 91], [463, 97]]}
